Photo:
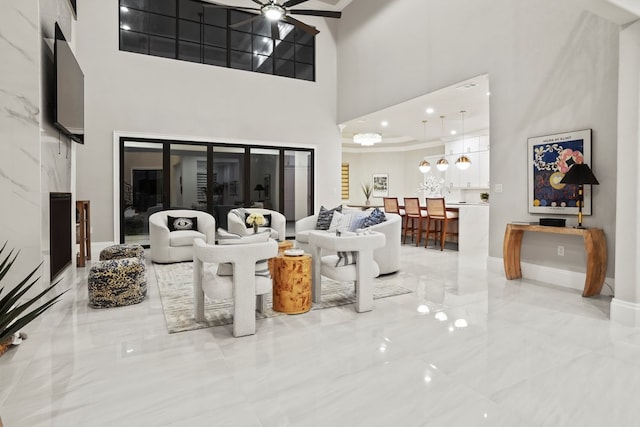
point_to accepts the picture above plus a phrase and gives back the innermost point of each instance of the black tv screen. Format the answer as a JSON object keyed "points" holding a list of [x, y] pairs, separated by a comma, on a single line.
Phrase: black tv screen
{"points": [[69, 90]]}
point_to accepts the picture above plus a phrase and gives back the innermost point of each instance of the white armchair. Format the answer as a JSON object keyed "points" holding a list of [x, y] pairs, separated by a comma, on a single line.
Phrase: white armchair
{"points": [[237, 225], [177, 246], [357, 249], [387, 257], [244, 285]]}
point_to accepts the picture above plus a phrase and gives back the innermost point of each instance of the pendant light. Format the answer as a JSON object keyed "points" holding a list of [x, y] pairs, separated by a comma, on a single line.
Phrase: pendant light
{"points": [[463, 162], [442, 164], [424, 166]]}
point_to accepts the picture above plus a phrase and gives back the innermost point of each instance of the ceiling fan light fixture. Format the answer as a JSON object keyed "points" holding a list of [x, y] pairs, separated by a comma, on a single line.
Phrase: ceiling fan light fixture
{"points": [[442, 164], [424, 166], [273, 12], [367, 139]]}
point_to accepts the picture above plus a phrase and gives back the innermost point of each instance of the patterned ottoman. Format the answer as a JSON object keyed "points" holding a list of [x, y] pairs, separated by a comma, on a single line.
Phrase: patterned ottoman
{"points": [[122, 251], [117, 282]]}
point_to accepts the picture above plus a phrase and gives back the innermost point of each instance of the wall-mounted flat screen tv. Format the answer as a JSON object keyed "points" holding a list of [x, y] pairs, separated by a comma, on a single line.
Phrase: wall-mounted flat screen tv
{"points": [[68, 112]]}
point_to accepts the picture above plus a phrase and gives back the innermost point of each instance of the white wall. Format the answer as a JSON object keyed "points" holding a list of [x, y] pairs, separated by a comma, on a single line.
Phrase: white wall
{"points": [[552, 67], [134, 93]]}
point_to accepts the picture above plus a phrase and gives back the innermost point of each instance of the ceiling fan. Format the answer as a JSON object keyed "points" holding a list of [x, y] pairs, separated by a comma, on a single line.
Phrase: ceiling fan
{"points": [[275, 12]]}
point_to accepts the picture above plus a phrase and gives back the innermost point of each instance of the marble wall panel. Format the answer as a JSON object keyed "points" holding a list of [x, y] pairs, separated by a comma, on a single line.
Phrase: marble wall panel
{"points": [[20, 132]]}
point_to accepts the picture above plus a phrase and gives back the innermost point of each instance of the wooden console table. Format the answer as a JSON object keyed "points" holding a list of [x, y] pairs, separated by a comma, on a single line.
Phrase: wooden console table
{"points": [[594, 243]]}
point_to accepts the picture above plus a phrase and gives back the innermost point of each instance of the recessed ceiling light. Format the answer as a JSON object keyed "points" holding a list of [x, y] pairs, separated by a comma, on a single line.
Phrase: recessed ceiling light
{"points": [[453, 132], [430, 110], [385, 123], [125, 27], [124, 9]]}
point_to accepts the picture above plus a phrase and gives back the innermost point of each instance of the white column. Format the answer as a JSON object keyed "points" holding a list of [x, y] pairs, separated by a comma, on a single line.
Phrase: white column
{"points": [[625, 307]]}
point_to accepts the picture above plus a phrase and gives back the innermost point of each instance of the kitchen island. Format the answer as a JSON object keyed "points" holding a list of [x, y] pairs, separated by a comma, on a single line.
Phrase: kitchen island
{"points": [[473, 227]]}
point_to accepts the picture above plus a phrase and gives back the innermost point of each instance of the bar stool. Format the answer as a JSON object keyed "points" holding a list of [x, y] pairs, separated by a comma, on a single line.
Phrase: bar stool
{"points": [[441, 217], [413, 214], [391, 205]]}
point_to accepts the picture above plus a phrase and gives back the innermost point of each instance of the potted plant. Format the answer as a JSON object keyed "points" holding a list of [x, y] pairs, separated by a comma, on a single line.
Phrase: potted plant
{"points": [[367, 189], [484, 197], [13, 313]]}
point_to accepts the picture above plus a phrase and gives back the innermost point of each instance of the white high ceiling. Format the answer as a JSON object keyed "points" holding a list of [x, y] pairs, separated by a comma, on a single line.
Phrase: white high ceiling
{"points": [[405, 120]]}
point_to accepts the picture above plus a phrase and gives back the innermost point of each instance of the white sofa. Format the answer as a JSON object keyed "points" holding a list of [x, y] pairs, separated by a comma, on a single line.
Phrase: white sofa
{"points": [[177, 246], [278, 226], [387, 257]]}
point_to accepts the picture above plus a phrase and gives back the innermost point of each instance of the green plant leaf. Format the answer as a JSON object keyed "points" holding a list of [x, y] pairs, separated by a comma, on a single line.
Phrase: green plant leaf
{"points": [[12, 318]]}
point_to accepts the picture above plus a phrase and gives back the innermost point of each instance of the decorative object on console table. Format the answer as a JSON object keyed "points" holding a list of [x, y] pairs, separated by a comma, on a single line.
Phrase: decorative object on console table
{"points": [[580, 174], [550, 158], [367, 189]]}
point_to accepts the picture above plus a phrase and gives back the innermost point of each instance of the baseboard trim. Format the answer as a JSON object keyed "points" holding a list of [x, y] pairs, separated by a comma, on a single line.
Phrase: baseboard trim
{"points": [[552, 275], [625, 313]]}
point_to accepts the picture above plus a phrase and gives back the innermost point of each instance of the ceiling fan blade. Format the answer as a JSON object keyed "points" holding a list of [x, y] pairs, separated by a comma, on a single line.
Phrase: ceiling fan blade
{"points": [[259, 2], [291, 3], [275, 31], [306, 28], [323, 13], [245, 21]]}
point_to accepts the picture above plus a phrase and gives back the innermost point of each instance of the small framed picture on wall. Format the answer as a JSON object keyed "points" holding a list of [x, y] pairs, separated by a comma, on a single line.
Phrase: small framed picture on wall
{"points": [[380, 184]]}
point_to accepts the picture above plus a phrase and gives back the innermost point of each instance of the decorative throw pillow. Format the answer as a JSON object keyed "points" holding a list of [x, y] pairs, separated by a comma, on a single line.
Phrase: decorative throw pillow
{"points": [[340, 222], [346, 258], [376, 217], [262, 269], [182, 223], [267, 219], [357, 222], [324, 217], [234, 239], [225, 269]]}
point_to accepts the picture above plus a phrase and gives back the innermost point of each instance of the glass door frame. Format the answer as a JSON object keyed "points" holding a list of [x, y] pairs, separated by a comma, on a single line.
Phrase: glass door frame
{"points": [[166, 165]]}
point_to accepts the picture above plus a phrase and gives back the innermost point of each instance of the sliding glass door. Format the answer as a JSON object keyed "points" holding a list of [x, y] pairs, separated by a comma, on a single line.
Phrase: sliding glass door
{"points": [[158, 175], [141, 188]]}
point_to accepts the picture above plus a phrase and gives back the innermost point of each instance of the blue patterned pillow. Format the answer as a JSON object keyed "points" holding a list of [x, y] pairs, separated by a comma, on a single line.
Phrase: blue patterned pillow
{"points": [[357, 222], [376, 217], [324, 217]]}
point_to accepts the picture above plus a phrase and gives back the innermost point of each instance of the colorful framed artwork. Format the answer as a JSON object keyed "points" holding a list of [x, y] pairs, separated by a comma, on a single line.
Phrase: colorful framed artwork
{"points": [[550, 157], [380, 185]]}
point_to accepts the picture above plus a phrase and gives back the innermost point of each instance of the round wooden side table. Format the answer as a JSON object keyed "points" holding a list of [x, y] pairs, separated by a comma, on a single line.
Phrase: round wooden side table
{"points": [[292, 283]]}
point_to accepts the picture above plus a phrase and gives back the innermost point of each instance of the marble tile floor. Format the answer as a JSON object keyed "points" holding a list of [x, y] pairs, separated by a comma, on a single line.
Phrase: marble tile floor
{"points": [[466, 348]]}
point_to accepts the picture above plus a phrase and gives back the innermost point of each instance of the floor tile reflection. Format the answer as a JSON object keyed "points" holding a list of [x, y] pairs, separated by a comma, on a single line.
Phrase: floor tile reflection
{"points": [[465, 348]]}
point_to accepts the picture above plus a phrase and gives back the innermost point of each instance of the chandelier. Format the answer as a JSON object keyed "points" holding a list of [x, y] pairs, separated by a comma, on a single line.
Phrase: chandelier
{"points": [[367, 139]]}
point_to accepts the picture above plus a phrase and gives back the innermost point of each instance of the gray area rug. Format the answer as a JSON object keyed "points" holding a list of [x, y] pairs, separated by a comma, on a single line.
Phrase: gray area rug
{"points": [[175, 282]]}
